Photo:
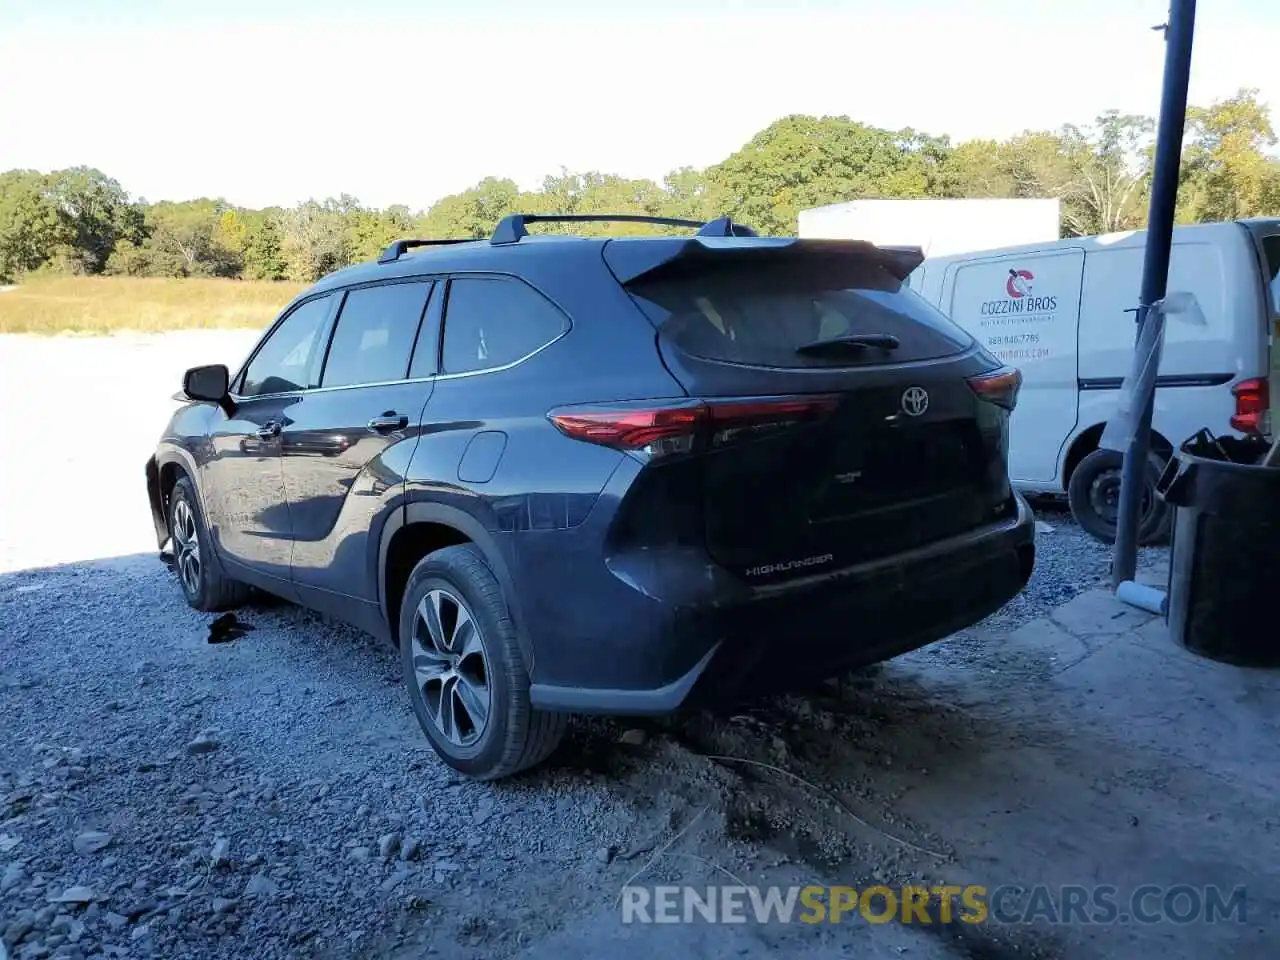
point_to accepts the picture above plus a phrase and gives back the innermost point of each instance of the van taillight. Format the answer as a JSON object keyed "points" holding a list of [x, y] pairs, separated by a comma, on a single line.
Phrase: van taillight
{"points": [[1000, 387], [1253, 399], [660, 428]]}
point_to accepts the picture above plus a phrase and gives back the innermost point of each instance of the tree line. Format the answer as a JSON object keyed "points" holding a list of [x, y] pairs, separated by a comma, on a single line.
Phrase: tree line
{"points": [[82, 221]]}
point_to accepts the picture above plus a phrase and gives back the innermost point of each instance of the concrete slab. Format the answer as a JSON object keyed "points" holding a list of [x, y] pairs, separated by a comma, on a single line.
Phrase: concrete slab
{"points": [[1097, 614], [1135, 763], [1043, 640]]}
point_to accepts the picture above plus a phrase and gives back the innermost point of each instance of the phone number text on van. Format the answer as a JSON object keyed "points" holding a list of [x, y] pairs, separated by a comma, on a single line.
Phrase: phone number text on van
{"points": [[1012, 339]]}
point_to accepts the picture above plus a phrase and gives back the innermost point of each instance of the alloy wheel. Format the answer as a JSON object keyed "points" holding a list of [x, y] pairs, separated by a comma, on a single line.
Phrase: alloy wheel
{"points": [[186, 546], [450, 667]]}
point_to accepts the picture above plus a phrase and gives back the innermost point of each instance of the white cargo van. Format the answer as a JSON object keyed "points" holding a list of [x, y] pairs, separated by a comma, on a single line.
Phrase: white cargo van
{"points": [[1064, 314]]}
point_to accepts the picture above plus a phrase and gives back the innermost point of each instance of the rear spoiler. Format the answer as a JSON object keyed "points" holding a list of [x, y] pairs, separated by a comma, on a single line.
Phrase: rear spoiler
{"points": [[632, 259]]}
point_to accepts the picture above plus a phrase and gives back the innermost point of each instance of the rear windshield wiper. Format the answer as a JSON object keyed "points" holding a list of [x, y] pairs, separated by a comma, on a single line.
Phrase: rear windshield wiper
{"points": [[853, 341]]}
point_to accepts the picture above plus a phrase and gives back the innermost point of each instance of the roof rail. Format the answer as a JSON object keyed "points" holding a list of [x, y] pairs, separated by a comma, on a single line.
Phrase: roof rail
{"points": [[512, 227], [396, 249]]}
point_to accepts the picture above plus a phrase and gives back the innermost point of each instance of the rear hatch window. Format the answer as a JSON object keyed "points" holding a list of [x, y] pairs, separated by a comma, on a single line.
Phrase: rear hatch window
{"points": [[820, 311]]}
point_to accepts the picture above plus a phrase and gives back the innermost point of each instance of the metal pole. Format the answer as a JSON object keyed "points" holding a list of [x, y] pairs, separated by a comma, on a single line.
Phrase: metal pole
{"points": [[1155, 268]]}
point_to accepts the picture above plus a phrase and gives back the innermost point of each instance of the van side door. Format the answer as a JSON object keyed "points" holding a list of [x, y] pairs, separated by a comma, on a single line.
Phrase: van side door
{"points": [[1025, 309]]}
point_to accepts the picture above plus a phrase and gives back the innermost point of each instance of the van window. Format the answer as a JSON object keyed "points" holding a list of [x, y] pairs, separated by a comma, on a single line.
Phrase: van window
{"points": [[1271, 250]]}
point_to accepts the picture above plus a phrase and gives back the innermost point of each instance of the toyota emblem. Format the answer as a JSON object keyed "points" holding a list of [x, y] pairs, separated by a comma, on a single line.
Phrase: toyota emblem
{"points": [[915, 401]]}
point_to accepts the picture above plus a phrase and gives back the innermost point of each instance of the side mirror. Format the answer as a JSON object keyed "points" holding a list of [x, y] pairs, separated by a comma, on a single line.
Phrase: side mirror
{"points": [[210, 383]]}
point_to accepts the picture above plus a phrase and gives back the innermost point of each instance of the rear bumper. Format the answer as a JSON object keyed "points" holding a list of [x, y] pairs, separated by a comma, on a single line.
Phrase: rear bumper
{"points": [[730, 641]]}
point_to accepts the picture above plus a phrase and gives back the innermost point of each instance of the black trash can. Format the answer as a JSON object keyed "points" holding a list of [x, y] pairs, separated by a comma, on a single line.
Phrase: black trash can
{"points": [[1224, 569]]}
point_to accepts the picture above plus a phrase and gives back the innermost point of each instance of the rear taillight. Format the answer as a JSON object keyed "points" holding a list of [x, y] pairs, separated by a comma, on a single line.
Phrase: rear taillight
{"points": [[661, 428], [1253, 399], [743, 419], [650, 428], [1000, 388]]}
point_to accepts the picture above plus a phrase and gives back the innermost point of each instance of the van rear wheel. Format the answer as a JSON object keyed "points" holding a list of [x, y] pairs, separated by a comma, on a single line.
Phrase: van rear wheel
{"points": [[1094, 496]]}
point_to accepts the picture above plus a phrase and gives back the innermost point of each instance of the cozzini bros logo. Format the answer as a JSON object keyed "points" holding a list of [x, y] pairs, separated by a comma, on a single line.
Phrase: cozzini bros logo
{"points": [[1020, 297]]}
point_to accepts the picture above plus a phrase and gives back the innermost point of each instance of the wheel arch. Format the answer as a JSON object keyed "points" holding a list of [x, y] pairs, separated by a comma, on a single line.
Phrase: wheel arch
{"points": [[423, 527], [164, 470], [1087, 441]]}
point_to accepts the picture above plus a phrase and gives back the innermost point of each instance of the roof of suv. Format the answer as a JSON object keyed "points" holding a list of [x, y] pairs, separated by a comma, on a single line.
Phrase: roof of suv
{"points": [[469, 255], [510, 241], [511, 245]]}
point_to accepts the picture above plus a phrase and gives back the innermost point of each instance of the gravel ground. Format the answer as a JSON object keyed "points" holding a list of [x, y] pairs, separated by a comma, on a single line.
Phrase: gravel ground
{"points": [[271, 796]]}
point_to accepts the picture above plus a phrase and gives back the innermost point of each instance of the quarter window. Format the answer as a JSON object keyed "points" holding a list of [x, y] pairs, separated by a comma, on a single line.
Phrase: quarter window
{"points": [[375, 334], [492, 322], [290, 358]]}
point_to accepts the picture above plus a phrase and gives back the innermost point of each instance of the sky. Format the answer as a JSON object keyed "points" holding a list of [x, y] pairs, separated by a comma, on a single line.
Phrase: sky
{"points": [[265, 102]]}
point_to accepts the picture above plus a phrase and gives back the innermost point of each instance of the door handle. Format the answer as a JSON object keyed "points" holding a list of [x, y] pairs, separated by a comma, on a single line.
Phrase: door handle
{"points": [[269, 430], [388, 422]]}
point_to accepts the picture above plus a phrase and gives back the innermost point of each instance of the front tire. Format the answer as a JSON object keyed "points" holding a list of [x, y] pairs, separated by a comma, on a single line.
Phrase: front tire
{"points": [[200, 574], [466, 676], [1094, 496]]}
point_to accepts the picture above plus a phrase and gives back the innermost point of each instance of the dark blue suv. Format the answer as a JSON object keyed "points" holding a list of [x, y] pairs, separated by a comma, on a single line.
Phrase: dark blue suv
{"points": [[612, 475]]}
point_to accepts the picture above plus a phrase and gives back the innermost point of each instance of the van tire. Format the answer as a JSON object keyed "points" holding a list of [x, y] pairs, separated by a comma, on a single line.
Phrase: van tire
{"points": [[1093, 494]]}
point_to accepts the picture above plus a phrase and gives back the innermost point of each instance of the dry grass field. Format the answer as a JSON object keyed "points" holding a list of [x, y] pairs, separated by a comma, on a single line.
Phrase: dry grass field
{"points": [[101, 305]]}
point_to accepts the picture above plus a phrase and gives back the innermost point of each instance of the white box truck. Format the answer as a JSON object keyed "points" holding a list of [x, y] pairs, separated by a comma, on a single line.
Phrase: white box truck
{"points": [[938, 227], [1063, 313]]}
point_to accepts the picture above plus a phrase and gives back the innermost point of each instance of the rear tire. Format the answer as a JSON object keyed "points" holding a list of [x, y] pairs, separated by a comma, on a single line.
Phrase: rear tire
{"points": [[204, 584], [466, 676], [1094, 493]]}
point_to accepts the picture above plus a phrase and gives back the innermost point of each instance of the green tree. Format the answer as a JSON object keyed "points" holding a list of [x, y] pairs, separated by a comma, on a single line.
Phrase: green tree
{"points": [[1111, 173], [978, 169], [313, 239], [130, 259], [81, 220], [1100, 173], [31, 226], [471, 214], [369, 231], [688, 193], [264, 252], [802, 161], [1227, 171], [97, 212], [194, 238]]}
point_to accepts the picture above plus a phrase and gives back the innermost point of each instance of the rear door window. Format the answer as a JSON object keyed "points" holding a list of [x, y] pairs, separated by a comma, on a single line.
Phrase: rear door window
{"points": [[492, 322], [774, 314], [375, 334]]}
